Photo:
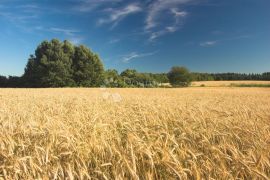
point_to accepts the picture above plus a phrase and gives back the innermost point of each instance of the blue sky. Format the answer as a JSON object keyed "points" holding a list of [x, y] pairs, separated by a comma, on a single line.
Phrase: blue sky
{"points": [[148, 35]]}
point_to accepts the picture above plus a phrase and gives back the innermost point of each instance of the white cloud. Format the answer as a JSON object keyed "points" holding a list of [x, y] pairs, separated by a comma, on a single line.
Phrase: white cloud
{"points": [[178, 13], [89, 5], [76, 40], [15, 18], [164, 30], [114, 40], [117, 15], [208, 43], [153, 23], [135, 55], [159, 6], [68, 32], [213, 43]]}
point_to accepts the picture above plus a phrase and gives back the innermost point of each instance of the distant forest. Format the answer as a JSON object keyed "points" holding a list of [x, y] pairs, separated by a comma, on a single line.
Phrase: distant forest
{"points": [[61, 64]]}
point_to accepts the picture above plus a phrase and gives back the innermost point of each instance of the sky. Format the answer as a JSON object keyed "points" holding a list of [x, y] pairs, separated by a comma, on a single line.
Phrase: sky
{"points": [[147, 35]]}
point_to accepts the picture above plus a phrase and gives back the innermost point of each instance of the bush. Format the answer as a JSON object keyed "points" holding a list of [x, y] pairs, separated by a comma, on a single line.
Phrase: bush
{"points": [[179, 77]]}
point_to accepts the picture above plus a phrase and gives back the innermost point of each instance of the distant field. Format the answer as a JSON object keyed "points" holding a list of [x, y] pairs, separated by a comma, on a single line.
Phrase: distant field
{"points": [[228, 83], [188, 133]]}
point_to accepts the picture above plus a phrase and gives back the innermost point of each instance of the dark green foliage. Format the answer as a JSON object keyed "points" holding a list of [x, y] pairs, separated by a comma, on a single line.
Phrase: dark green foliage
{"points": [[250, 85], [3, 81], [14, 82], [161, 78], [132, 78], [129, 73], [179, 76], [113, 79], [230, 76], [60, 64], [11, 81], [87, 67], [202, 77]]}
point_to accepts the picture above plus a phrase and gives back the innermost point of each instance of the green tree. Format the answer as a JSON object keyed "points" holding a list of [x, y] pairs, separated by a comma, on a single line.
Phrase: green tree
{"points": [[179, 76], [50, 66], [129, 76], [132, 78], [61, 64], [87, 67], [3, 81], [160, 77], [113, 79], [129, 73], [145, 80]]}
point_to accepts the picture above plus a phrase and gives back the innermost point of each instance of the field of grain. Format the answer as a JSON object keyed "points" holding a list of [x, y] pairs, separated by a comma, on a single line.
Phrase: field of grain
{"points": [[189, 133], [227, 83]]}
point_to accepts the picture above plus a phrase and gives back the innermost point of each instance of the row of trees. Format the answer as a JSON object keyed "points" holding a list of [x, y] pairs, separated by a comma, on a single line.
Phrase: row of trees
{"points": [[61, 64], [230, 76], [178, 76], [132, 78], [109, 78]]}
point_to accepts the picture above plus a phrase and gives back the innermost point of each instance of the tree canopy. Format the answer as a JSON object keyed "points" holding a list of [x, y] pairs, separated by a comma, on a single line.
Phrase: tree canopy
{"points": [[179, 76], [61, 64]]}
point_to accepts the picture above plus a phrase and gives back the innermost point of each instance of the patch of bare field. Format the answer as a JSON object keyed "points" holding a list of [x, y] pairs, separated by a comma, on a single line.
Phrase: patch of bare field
{"points": [[226, 83], [189, 133]]}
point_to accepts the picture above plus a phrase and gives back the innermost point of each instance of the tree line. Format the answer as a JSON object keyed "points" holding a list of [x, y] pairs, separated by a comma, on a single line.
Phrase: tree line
{"points": [[62, 64], [231, 76]]}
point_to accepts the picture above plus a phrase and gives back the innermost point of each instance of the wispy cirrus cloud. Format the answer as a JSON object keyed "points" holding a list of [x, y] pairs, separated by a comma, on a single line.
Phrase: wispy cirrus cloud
{"points": [[76, 40], [157, 8], [114, 40], [29, 8], [208, 43], [20, 15], [68, 32], [116, 15], [134, 55], [90, 5], [72, 35], [154, 24], [58, 30], [17, 18], [216, 42]]}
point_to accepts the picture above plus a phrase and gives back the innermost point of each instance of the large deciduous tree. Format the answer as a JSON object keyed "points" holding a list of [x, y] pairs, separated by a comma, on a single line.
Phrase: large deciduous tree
{"points": [[61, 64]]}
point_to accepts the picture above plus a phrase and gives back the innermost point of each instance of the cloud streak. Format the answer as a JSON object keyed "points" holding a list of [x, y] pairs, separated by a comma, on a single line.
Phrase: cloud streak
{"points": [[208, 43], [156, 9], [68, 32], [215, 42], [153, 23], [116, 15], [135, 55], [90, 5], [114, 40]]}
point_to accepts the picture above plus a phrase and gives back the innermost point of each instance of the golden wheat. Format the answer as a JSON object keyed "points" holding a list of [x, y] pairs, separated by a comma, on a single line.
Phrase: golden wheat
{"points": [[191, 133]]}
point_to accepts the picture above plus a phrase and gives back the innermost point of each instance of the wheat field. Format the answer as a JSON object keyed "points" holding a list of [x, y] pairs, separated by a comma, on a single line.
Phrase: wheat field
{"points": [[189, 133]]}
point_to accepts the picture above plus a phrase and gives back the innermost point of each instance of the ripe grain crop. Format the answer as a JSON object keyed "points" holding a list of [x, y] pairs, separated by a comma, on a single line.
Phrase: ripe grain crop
{"points": [[190, 133]]}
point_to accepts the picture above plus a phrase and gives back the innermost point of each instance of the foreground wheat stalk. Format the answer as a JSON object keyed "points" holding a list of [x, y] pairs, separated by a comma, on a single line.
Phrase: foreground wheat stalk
{"points": [[193, 133]]}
